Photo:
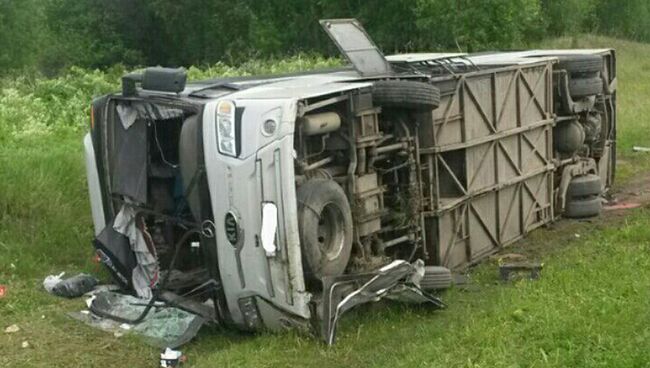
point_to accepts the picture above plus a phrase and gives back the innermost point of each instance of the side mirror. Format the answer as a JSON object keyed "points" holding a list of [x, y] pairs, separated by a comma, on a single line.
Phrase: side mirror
{"points": [[155, 79]]}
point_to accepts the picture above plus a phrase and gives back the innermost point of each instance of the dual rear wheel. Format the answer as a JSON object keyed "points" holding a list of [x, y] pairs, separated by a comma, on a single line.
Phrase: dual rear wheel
{"points": [[583, 197]]}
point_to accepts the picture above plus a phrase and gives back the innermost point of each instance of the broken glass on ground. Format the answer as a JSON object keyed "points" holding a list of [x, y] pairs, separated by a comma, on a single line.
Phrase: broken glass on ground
{"points": [[164, 326]]}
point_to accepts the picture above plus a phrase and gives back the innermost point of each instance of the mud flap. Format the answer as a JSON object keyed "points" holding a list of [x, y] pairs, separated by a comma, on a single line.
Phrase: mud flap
{"points": [[397, 281]]}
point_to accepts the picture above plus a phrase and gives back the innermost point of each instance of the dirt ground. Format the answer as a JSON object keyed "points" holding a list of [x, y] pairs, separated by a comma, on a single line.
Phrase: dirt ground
{"points": [[635, 193]]}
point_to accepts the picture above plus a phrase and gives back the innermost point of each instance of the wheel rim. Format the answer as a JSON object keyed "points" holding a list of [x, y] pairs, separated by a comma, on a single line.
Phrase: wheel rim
{"points": [[330, 233]]}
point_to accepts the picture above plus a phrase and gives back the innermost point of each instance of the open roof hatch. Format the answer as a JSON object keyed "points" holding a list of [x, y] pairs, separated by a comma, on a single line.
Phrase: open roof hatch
{"points": [[353, 42]]}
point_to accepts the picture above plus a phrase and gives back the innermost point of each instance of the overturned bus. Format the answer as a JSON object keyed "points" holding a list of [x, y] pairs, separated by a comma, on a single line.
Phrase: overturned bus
{"points": [[281, 201]]}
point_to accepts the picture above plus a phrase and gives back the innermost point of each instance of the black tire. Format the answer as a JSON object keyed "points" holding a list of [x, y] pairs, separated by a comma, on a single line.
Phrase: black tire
{"points": [[580, 64], [584, 186], [583, 208], [436, 278], [584, 87], [406, 95], [325, 226]]}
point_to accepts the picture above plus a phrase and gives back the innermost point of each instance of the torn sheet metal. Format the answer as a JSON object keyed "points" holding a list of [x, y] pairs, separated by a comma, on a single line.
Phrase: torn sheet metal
{"points": [[145, 273], [130, 111], [398, 280], [163, 327]]}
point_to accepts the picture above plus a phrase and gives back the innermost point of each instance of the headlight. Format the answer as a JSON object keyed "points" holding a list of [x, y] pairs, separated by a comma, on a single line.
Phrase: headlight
{"points": [[226, 136]]}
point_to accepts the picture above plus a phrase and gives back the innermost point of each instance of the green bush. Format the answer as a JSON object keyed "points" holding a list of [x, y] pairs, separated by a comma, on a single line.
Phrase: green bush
{"points": [[569, 16], [50, 36], [629, 18], [37, 106], [20, 30], [472, 25], [33, 106]]}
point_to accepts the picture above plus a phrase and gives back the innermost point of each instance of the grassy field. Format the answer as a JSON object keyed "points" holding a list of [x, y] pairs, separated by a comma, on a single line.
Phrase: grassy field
{"points": [[590, 309]]}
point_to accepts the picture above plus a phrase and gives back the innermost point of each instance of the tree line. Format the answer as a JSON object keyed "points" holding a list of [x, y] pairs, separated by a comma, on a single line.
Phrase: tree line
{"points": [[52, 35]]}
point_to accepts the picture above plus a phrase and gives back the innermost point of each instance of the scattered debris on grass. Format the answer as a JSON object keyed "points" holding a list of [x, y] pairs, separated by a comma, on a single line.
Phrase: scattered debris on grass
{"points": [[12, 329], [518, 270], [172, 358], [72, 287], [515, 266], [51, 281], [3, 291], [640, 149], [25, 344], [622, 206]]}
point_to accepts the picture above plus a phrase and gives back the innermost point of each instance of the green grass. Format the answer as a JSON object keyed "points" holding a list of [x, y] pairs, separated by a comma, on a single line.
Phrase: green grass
{"points": [[589, 309]]}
